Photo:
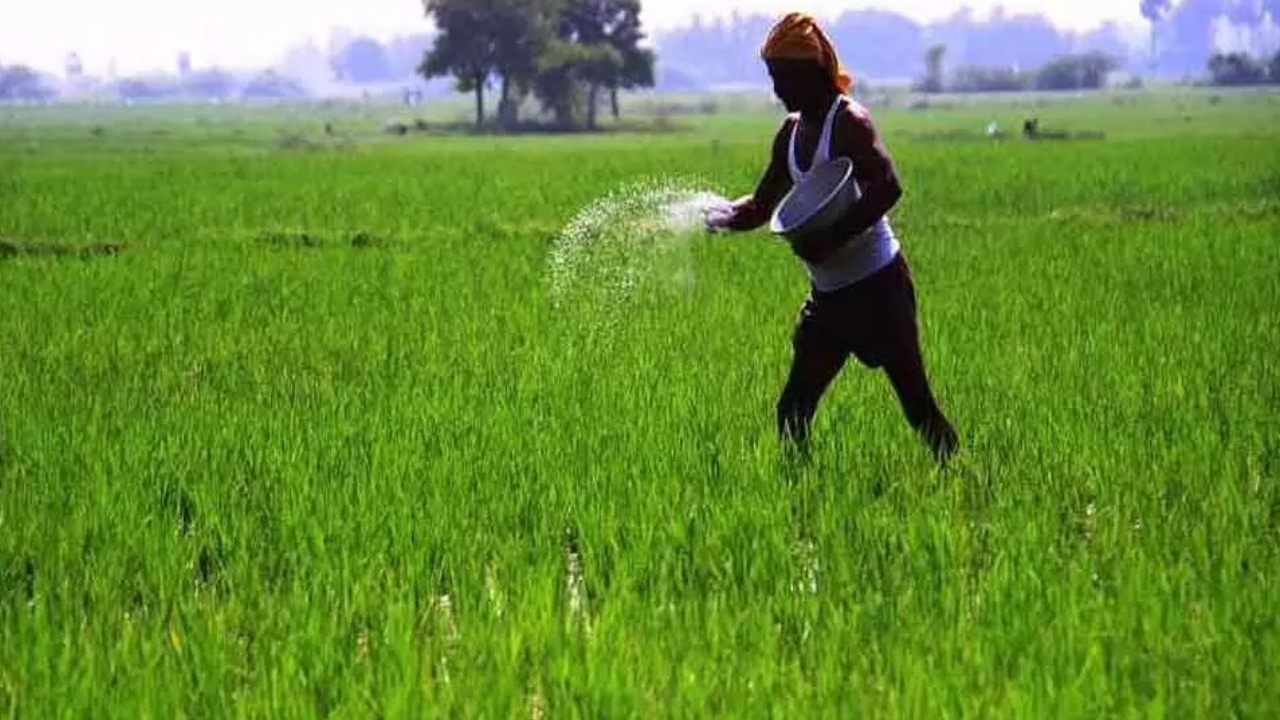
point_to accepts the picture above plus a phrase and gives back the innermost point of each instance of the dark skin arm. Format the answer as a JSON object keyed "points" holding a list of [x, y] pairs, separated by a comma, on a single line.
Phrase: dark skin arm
{"points": [[856, 138], [754, 210]]}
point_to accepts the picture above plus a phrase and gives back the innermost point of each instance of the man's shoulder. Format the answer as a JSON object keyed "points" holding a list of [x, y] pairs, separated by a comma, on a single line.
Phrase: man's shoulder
{"points": [[856, 106], [855, 113], [785, 129]]}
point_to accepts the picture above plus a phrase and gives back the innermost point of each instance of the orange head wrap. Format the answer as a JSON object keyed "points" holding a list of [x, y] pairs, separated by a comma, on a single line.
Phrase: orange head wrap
{"points": [[797, 36]]}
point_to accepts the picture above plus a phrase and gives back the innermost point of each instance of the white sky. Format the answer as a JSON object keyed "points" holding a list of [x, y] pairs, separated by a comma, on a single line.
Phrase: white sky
{"points": [[144, 35]]}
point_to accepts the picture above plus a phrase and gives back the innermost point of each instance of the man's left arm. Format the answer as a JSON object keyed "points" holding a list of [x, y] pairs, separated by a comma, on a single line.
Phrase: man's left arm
{"points": [[873, 167]]}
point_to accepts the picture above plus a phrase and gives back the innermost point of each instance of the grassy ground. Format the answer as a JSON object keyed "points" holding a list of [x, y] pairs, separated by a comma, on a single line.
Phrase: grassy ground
{"points": [[251, 468]]}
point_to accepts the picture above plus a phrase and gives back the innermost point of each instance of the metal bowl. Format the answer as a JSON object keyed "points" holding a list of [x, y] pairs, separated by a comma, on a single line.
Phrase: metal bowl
{"points": [[818, 201]]}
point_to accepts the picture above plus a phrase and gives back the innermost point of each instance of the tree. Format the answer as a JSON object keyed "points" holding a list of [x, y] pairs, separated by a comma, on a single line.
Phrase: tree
{"points": [[619, 27], [465, 47], [975, 78], [522, 29], [568, 74], [481, 39], [1153, 11], [597, 47], [1236, 69], [566, 52], [1094, 69], [637, 72], [1075, 72], [933, 59]]}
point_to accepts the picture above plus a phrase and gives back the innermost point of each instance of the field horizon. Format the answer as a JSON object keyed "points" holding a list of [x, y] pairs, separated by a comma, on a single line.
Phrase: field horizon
{"points": [[301, 424]]}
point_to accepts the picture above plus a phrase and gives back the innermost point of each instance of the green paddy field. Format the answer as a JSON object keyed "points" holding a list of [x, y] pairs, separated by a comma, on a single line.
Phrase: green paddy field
{"points": [[297, 425]]}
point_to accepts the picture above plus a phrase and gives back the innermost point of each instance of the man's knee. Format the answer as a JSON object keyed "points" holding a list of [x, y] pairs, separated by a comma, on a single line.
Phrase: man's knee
{"points": [[907, 375], [920, 410]]}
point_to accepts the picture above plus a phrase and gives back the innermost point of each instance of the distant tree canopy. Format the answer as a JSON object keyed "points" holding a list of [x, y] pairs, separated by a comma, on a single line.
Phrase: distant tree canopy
{"points": [[1086, 71], [1076, 72], [1240, 69], [566, 53], [19, 82], [271, 85], [209, 84], [362, 61], [933, 73]]}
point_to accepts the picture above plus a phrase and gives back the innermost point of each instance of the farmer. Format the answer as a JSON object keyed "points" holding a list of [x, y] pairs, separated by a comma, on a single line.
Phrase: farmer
{"points": [[862, 297]]}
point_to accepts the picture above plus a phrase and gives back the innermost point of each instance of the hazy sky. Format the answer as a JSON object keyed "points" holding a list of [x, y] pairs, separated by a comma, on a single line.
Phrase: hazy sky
{"points": [[147, 35]]}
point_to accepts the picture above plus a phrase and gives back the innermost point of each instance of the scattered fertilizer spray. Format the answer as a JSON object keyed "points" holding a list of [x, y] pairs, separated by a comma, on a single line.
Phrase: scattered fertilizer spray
{"points": [[632, 239]]}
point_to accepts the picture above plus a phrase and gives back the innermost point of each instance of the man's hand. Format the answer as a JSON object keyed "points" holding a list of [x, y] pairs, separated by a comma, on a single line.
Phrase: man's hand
{"points": [[719, 217], [745, 213]]}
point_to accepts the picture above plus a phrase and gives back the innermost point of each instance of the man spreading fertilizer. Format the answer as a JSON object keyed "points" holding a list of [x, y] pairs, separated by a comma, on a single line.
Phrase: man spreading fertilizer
{"points": [[862, 300]]}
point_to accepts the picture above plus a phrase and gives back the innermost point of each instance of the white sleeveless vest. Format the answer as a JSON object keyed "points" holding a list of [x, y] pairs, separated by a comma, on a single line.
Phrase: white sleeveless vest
{"points": [[863, 255]]}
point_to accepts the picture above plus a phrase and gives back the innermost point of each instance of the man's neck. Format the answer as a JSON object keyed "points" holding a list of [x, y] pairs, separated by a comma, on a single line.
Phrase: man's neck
{"points": [[817, 113]]}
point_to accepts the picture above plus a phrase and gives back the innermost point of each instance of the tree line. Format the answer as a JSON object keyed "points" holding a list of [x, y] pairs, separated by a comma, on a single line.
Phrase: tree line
{"points": [[1083, 71], [1086, 71], [1185, 33], [1238, 69], [571, 58], [884, 46], [568, 55]]}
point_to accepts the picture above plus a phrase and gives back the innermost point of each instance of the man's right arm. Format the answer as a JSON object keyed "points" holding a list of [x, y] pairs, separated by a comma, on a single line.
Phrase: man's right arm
{"points": [[754, 210]]}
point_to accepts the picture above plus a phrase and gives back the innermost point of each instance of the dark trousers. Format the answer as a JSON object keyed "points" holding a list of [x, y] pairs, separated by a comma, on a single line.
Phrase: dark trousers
{"points": [[873, 320]]}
